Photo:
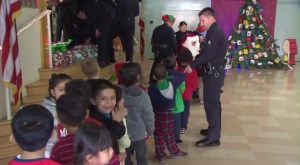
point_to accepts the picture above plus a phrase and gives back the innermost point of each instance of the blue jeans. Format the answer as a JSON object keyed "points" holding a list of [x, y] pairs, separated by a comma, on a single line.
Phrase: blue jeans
{"points": [[177, 121], [185, 114]]}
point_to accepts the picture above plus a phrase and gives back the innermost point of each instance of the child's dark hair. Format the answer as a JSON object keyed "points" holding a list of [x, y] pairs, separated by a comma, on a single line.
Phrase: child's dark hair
{"points": [[98, 85], [56, 79], [32, 127], [170, 62], [184, 57], [119, 93], [72, 109], [182, 23], [79, 86], [90, 139], [160, 71], [129, 73]]}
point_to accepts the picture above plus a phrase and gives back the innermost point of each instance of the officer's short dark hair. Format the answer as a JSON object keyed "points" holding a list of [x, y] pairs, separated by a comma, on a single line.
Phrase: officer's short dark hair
{"points": [[160, 71], [72, 108], [208, 11], [129, 73], [32, 127], [170, 62]]}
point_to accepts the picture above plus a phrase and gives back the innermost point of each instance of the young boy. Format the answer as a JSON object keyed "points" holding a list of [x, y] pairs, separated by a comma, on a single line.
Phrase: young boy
{"points": [[91, 68], [71, 111], [170, 63], [32, 127], [162, 96], [140, 118], [191, 83]]}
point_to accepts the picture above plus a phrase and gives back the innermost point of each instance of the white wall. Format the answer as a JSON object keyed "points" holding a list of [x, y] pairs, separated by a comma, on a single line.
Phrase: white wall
{"points": [[153, 10], [287, 24], [29, 47]]}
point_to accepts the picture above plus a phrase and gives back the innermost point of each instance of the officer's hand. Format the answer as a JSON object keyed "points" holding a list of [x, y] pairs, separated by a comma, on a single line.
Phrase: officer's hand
{"points": [[188, 69], [82, 15], [97, 34]]}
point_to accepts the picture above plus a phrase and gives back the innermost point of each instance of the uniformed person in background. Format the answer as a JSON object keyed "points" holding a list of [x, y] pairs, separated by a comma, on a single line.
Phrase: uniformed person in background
{"points": [[163, 42], [64, 19], [102, 15], [212, 58], [127, 10]]}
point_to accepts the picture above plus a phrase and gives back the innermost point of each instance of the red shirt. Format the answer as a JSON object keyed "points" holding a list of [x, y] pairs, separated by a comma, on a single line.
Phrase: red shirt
{"points": [[191, 83], [63, 150], [38, 161], [62, 131]]}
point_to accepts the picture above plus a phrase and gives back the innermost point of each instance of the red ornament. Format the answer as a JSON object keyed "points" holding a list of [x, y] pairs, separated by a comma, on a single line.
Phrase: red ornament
{"points": [[248, 39], [267, 43], [258, 20], [249, 46]]}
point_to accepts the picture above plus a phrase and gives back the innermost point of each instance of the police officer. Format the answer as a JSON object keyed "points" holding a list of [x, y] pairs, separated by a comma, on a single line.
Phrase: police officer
{"points": [[127, 10], [63, 21], [102, 16], [212, 58], [163, 42]]}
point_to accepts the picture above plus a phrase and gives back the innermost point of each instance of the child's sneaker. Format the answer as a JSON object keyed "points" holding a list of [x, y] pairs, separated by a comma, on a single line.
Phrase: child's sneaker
{"points": [[180, 155], [159, 160], [182, 130]]}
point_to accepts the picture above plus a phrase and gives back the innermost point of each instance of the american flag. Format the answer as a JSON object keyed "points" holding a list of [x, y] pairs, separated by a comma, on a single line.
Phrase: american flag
{"points": [[142, 33], [11, 70]]}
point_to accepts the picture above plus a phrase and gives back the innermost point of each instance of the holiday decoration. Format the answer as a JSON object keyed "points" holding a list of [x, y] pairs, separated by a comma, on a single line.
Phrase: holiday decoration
{"points": [[250, 43]]}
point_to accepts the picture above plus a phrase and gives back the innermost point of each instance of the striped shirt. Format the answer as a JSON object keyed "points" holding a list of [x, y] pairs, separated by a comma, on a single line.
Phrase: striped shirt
{"points": [[63, 151]]}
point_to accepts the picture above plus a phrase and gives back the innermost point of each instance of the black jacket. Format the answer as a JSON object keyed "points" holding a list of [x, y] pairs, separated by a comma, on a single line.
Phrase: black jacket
{"points": [[215, 48], [164, 34]]}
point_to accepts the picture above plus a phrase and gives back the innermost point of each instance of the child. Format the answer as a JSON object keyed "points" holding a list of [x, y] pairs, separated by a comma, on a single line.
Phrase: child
{"points": [[102, 109], [56, 88], [124, 142], [92, 145], [140, 119], [32, 127], [90, 68], [162, 96], [71, 111], [191, 83], [82, 88], [170, 63]]}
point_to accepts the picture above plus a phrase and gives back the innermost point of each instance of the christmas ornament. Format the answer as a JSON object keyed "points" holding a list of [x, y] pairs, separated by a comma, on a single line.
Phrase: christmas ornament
{"points": [[246, 22], [259, 64], [255, 56], [252, 26], [277, 60], [250, 8], [253, 44], [251, 51], [261, 37], [239, 42], [245, 51], [248, 33], [248, 39], [241, 58], [240, 26], [252, 61], [261, 26], [270, 63], [265, 54], [247, 12], [254, 19], [229, 37], [243, 12], [233, 42], [258, 20], [240, 52], [257, 46], [239, 31], [259, 54], [254, 1], [246, 26]]}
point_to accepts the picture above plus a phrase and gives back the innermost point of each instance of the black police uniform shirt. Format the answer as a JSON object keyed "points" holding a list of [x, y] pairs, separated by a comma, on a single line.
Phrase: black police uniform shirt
{"points": [[215, 48], [164, 34], [180, 35]]}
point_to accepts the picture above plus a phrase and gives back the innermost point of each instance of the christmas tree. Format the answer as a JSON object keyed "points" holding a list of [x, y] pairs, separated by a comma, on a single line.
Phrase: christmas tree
{"points": [[250, 43]]}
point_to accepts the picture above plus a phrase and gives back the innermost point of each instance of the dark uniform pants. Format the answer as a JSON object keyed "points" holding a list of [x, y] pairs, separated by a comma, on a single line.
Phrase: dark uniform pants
{"points": [[63, 22], [212, 85], [127, 27]]}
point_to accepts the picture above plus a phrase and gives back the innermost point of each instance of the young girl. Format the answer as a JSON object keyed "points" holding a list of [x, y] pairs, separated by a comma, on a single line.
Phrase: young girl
{"points": [[104, 101], [56, 88], [92, 144]]}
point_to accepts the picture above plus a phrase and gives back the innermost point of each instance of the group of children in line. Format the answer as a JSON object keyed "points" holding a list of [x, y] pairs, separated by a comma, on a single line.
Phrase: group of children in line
{"points": [[98, 122]]}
